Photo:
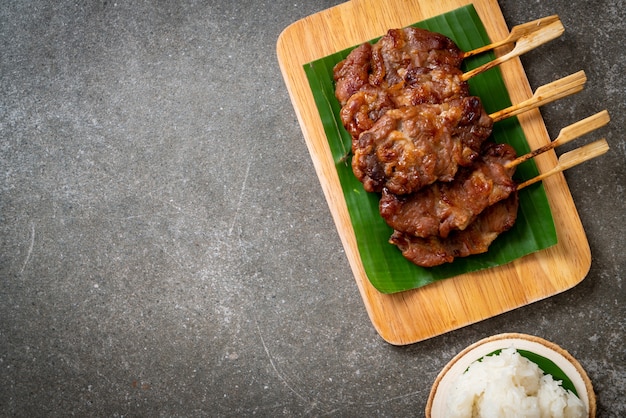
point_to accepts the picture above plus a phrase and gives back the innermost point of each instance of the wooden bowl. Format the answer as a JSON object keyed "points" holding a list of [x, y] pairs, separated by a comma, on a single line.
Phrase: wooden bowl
{"points": [[436, 406]]}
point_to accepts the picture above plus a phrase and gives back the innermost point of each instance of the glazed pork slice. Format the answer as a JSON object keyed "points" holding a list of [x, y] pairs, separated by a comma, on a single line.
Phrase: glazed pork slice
{"points": [[405, 67], [419, 86], [441, 208], [475, 239], [364, 108], [404, 49], [411, 147], [429, 85], [351, 74], [386, 62]]}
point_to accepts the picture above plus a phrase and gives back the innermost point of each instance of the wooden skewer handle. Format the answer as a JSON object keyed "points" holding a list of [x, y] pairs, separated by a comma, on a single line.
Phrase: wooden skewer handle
{"points": [[582, 127], [571, 159], [516, 33], [566, 135], [545, 94], [524, 44]]}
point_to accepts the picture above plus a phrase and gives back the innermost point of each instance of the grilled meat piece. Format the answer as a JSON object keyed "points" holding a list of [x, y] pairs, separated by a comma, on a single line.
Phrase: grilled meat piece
{"points": [[429, 85], [441, 208], [420, 85], [411, 147], [475, 239], [352, 74], [405, 67], [364, 108], [405, 49]]}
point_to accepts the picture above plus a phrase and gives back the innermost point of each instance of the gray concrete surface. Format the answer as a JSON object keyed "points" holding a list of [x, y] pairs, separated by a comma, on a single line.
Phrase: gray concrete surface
{"points": [[165, 247]]}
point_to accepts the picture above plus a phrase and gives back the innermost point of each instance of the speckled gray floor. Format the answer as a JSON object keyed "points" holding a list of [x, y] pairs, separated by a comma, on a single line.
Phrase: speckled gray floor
{"points": [[165, 247]]}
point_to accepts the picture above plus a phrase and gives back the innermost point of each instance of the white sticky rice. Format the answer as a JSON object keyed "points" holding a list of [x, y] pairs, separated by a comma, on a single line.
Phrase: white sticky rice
{"points": [[510, 385]]}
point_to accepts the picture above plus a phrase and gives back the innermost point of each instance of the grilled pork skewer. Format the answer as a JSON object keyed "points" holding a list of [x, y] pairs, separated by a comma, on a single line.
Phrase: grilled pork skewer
{"points": [[527, 37], [414, 146], [443, 207], [412, 66], [496, 219], [571, 159], [475, 239], [524, 44], [385, 63], [363, 109]]}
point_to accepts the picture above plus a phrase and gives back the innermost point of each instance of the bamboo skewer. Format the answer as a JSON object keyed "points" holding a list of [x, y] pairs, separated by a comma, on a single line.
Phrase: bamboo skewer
{"points": [[566, 135], [516, 33], [545, 94], [571, 159], [528, 41]]}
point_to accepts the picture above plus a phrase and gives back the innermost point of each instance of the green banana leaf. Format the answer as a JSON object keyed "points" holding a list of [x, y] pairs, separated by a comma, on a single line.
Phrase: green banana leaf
{"points": [[547, 366], [386, 268]]}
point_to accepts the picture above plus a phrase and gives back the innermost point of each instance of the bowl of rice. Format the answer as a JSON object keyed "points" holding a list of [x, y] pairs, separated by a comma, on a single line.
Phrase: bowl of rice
{"points": [[512, 375]]}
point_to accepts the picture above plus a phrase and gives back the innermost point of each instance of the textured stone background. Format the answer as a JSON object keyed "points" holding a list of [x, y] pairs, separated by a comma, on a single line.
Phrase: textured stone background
{"points": [[165, 247]]}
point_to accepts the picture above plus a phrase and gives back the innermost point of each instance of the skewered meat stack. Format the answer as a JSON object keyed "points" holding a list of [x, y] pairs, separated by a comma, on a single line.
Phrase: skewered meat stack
{"points": [[421, 140]]}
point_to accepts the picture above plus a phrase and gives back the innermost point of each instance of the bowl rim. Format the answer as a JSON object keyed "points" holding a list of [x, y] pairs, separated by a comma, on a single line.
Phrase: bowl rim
{"points": [[531, 343]]}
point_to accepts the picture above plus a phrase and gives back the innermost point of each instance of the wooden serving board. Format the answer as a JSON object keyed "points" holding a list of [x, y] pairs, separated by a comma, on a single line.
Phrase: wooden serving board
{"points": [[414, 315]]}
